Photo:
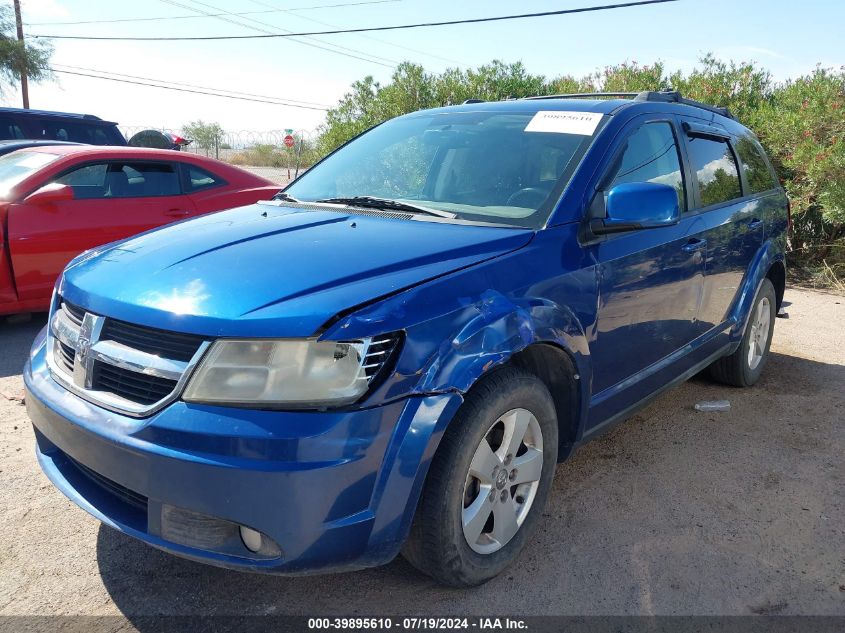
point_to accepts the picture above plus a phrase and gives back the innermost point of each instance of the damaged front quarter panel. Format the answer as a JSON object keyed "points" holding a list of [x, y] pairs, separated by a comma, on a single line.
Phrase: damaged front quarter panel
{"points": [[460, 326]]}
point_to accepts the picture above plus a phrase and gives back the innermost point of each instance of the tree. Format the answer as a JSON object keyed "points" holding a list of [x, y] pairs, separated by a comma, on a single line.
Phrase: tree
{"points": [[207, 136], [801, 123], [802, 126], [16, 58]]}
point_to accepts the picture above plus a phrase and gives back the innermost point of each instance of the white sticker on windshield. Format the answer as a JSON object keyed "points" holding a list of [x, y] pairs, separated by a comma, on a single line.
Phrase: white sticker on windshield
{"points": [[562, 122]]}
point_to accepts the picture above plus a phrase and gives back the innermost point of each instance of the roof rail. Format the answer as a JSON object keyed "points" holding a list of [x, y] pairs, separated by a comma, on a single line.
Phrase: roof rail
{"points": [[586, 95], [664, 96], [673, 96]]}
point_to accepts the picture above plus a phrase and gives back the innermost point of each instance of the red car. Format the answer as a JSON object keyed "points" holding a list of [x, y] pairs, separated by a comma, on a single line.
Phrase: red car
{"points": [[58, 201]]}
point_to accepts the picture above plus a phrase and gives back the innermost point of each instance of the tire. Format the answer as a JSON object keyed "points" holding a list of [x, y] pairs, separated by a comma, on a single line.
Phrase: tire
{"points": [[499, 404], [742, 368]]}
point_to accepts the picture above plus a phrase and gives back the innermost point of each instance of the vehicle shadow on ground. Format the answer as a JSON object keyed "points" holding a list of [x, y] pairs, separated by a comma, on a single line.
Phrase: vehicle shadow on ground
{"points": [[16, 340], [144, 582]]}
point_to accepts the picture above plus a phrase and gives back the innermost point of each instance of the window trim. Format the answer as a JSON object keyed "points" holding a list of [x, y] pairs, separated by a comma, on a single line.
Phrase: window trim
{"points": [[122, 161], [184, 178]]}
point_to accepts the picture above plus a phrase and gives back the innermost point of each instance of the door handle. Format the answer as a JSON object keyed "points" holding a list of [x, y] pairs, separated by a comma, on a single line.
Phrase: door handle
{"points": [[694, 245], [755, 224], [177, 213]]}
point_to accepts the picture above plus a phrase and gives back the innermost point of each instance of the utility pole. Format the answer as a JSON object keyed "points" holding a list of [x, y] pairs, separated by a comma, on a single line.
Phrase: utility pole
{"points": [[19, 24]]}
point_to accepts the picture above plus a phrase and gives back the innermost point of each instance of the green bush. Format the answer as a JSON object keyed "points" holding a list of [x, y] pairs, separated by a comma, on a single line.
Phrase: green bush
{"points": [[801, 122]]}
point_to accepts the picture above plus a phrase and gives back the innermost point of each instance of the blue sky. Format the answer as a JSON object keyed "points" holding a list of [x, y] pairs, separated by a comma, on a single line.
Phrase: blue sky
{"points": [[789, 38]]}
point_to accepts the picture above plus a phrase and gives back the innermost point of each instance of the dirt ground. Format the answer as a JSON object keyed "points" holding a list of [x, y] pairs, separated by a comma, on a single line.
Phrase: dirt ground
{"points": [[673, 512]]}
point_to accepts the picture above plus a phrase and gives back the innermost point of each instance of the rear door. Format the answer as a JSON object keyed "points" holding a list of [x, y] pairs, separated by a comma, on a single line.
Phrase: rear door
{"points": [[112, 200], [732, 217]]}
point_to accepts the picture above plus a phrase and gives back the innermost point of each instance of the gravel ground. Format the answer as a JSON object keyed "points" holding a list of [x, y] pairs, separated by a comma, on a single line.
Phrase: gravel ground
{"points": [[673, 512]]}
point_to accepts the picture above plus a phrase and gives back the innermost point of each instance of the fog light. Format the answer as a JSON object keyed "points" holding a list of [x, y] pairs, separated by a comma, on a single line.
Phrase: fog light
{"points": [[251, 538]]}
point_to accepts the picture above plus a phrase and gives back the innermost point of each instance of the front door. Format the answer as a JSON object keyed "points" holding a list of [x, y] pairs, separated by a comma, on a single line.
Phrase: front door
{"points": [[650, 280], [112, 200]]}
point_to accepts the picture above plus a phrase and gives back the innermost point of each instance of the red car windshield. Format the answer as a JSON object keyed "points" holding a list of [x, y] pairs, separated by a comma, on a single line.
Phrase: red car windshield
{"points": [[17, 166]]}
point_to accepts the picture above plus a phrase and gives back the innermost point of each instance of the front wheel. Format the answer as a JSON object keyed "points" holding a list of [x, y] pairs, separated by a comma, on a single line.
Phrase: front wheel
{"points": [[744, 366], [488, 481]]}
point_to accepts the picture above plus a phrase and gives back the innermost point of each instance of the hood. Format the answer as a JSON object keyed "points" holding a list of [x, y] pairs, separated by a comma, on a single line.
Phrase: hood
{"points": [[264, 270]]}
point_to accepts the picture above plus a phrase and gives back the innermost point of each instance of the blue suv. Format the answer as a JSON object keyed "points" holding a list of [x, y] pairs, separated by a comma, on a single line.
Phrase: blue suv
{"points": [[394, 353]]}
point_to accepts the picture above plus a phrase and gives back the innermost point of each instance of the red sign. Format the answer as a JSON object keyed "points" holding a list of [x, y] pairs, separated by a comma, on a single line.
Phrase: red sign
{"points": [[288, 141]]}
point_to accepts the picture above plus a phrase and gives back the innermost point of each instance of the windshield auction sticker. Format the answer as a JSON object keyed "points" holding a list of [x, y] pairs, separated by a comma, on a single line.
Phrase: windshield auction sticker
{"points": [[562, 122]]}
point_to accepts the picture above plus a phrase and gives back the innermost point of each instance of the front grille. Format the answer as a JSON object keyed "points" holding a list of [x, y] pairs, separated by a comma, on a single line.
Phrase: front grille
{"points": [[173, 345], [121, 366], [126, 495], [74, 313], [65, 356], [131, 385]]}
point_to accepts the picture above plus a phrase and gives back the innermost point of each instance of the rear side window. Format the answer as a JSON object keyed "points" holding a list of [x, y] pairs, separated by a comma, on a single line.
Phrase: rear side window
{"points": [[78, 132], [147, 179], [10, 130], [650, 155], [715, 169], [198, 178], [758, 175], [123, 180]]}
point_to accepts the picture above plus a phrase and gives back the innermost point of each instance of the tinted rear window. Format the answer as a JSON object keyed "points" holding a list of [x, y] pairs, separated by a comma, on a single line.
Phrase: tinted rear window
{"points": [[9, 129], [758, 175], [78, 132], [715, 169]]}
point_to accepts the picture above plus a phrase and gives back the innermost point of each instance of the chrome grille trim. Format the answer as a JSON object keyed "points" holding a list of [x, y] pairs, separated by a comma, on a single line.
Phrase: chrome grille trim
{"points": [[378, 354], [77, 371]]}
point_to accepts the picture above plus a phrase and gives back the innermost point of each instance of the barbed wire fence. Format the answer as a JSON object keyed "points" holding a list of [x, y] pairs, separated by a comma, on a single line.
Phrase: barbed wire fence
{"points": [[262, 152]]}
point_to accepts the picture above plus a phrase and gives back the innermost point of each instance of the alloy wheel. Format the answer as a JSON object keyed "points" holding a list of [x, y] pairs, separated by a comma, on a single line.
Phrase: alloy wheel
{"points": [[759, 334], [502, 481]]}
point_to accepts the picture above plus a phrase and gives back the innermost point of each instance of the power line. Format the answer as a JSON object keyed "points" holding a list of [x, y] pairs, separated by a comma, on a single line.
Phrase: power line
{"points": [[397, 27], [60, 67], [369, 37], [351, 52], [201, 92], [188, 17], [225, 18]]}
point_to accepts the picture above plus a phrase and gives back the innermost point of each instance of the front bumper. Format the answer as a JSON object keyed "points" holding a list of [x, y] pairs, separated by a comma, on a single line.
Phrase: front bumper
{"points": [[331, 490]]}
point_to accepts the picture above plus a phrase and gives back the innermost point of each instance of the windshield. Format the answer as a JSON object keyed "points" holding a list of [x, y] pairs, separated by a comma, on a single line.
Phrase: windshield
{"points": [[16, 166], [500, 167]]}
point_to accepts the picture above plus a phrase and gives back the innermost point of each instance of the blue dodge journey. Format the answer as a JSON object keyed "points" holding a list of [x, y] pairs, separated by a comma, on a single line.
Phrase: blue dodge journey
{"points": [[393, 354]]}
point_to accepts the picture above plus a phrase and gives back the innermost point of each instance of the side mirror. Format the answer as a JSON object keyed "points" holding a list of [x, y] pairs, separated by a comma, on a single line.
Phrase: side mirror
{"points": [[638, 205], [54, 192]]}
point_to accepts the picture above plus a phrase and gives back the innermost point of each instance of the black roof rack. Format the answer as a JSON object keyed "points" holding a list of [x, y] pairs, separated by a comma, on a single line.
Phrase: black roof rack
{"points": [[586, 95], [664, 96]]}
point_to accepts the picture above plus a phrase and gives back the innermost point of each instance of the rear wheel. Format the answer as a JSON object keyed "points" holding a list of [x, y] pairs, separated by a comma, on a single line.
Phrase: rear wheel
{"points": [[744, 366], [488, 481]]}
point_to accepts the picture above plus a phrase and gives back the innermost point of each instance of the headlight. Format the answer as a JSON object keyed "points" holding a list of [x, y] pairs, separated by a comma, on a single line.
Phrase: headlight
{"points": [[295, 373]]}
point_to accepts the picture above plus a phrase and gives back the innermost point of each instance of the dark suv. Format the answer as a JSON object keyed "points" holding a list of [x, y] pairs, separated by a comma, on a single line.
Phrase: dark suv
{"points": [[395, 352], [16, 123]]}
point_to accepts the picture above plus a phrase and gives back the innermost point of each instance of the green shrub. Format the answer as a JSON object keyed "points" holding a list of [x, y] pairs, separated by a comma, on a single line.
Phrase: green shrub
{"points": [[800, 122]]}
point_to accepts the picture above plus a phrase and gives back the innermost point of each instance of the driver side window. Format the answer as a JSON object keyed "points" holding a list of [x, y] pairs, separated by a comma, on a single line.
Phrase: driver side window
{"points": [[650, 155]]}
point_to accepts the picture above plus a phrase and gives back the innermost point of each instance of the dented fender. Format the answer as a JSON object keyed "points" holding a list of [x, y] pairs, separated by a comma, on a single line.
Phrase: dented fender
{"points": [[500, 328], [460, 326]]}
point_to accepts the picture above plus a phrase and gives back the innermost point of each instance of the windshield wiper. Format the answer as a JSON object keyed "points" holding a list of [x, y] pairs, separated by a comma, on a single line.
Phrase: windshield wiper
{"points": [[371, 202], [285, 197]]}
